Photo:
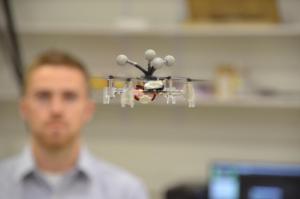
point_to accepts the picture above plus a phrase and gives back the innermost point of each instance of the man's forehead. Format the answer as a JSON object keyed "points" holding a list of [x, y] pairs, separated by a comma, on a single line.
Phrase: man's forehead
{"points": [[53, 76], [56, 70]]}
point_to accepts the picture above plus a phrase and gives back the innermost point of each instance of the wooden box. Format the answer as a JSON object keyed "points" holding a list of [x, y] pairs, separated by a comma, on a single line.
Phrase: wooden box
{"points": [[265, 11]]}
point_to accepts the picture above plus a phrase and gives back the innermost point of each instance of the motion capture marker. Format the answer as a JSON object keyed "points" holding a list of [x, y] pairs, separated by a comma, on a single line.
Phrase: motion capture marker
{"points": [[150, 54], [122, 60], [169, 60], [157, 63]]}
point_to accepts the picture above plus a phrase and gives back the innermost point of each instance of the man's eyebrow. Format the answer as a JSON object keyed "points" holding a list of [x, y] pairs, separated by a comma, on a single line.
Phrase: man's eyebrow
{"points": [[42, 94], [68, 92], [49, 92], [42, 91]]}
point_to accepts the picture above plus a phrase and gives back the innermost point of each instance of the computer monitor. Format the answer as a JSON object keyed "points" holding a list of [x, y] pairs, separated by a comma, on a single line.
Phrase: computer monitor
{"points": [[233, 180]]}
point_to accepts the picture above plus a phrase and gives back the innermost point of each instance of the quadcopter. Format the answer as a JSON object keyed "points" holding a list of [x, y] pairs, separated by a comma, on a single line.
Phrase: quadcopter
{"points": [[148, 88]]}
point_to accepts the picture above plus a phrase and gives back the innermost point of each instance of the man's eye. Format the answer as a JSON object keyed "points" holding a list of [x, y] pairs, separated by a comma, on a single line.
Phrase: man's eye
{"points": [[70, 96], [43, 96]]}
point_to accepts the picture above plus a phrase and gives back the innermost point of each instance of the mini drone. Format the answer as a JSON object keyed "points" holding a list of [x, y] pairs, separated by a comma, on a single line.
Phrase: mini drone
{"points": [[148, 88]]}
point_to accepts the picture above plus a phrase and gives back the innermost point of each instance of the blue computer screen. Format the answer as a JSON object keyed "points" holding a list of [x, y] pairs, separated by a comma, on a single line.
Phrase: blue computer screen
{"points": [[253, 181]]}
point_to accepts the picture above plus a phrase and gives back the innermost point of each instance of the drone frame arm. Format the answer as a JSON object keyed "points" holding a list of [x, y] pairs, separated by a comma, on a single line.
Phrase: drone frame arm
{"points": [[151, 70], [138, 67], [148, 73]]}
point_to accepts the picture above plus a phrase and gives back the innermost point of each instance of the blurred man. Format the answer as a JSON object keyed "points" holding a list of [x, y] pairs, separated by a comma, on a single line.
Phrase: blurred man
{"points": [[55, 106]]}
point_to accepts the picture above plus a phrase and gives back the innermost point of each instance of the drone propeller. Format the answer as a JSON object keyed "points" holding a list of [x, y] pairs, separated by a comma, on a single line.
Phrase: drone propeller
{"points": [[189, 79], [105, 78], [182, 79]]}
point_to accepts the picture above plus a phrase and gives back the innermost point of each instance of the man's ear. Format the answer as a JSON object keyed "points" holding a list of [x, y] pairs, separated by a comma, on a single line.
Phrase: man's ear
{"points": [[90, 109]]}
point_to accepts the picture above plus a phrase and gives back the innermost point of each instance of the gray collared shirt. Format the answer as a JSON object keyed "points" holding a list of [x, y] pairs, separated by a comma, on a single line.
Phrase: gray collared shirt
{"points": [[89, 179]]}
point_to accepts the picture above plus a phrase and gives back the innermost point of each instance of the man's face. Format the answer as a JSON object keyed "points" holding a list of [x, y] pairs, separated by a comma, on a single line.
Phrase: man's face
{"points": [[56, 105]]}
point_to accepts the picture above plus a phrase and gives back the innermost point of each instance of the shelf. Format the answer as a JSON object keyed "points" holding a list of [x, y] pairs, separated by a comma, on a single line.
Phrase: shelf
{"points": [[284, 30], [252, 102], [246, 102]]}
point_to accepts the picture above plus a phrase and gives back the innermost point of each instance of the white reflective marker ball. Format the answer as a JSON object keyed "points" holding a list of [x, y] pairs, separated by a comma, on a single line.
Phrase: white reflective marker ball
{"points": [[150, 54], [157, 63], [122, 60], [170, 60]]}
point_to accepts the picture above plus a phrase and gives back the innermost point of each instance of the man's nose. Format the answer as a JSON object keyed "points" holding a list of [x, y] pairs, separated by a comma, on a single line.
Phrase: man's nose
{"points": [[57, 106]]}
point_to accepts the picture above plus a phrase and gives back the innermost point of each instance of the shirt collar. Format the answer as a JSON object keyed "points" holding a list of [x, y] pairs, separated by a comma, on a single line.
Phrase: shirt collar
{"points": [[26, 164], [86, 163]]}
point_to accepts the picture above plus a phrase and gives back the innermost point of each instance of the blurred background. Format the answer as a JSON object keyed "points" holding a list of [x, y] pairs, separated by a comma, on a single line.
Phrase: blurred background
{"points": [[249, 113]]}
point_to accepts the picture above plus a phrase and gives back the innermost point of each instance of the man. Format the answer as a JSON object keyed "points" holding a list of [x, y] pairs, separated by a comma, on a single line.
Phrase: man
{"points": [[55, 106]]}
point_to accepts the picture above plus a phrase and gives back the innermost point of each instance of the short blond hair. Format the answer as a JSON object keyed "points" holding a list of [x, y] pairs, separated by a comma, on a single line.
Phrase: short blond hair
{"points": [[56, 58]]}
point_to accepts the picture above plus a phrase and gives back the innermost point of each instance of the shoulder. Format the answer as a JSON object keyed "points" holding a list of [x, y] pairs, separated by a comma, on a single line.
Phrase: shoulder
{"points": [[7, 171], [120, 179], [7, 166]]}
